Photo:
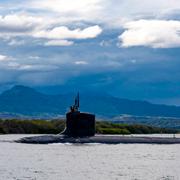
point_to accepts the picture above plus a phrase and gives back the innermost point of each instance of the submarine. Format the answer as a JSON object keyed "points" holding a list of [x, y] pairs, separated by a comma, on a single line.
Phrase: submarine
{"points": [[79, 124], [80, 128]]}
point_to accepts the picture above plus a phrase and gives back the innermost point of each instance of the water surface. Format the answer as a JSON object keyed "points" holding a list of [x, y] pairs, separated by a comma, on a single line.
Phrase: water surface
{"points": [[88, 161]]}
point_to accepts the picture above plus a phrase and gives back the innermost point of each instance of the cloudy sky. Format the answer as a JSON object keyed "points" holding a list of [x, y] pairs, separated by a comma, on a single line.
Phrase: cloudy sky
{"points": [[127, 48]]}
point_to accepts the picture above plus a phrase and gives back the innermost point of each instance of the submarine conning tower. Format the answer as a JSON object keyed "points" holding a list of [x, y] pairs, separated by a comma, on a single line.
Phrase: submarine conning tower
{"points": [[79, 124]]}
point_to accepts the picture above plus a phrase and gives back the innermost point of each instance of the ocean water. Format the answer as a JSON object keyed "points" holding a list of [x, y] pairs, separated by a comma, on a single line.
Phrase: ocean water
{"points": [[87, 161]]}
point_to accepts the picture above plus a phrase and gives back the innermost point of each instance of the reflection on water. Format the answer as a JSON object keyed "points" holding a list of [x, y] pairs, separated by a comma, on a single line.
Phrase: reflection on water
{"points": [[88, 161]]}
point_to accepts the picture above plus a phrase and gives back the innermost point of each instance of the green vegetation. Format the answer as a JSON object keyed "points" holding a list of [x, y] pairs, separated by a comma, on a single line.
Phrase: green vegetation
{"points": [[114, 128], [31, 126], [15, 126]]}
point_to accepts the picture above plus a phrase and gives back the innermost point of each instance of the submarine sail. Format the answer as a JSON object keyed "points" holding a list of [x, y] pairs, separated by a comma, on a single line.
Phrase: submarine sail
{"points": [[79, 124]]}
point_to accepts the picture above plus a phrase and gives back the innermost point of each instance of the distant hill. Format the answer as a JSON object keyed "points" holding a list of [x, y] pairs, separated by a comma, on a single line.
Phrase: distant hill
{"points": [[21, 100]]}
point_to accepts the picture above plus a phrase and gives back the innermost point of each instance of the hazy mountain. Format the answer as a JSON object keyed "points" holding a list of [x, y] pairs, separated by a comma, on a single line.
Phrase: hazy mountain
{"points": [[27, 101]]}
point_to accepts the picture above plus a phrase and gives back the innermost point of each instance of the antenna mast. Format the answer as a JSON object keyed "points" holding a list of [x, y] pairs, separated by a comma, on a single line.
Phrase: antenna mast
{"points": [[75, 107]]}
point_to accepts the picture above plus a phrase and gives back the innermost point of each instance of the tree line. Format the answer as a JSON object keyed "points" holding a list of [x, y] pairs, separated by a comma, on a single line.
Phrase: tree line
{"points": [[15, 126]]}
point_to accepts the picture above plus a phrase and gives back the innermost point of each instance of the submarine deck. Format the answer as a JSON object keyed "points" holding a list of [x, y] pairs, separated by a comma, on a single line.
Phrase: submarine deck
{"points": [[105, 139]]}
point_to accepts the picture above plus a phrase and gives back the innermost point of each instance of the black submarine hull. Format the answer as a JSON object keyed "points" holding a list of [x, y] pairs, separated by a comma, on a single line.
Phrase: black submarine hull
{"points": [[104, 139]]}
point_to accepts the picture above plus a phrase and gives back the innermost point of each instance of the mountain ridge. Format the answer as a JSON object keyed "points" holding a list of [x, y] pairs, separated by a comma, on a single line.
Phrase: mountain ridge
{"points": [[27, 101]]}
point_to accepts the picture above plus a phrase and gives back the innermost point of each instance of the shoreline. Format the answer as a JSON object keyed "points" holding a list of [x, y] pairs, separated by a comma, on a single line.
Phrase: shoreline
{"points": [[103, 139]]}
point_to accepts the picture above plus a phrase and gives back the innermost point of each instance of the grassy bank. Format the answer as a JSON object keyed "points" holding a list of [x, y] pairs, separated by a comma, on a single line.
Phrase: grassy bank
{"points": [[56, 126]]}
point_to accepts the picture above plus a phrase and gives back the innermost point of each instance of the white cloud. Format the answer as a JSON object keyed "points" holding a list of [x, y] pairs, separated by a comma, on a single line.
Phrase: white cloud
{"points": [[38, 67], [59, 43], [18, 24], [24, 25], [29, 67], [64, 32], [101, 10], [153, 7], [77, 7], [3, 57], [152, 33], [94, 11], [81, 62], [51, 20]]}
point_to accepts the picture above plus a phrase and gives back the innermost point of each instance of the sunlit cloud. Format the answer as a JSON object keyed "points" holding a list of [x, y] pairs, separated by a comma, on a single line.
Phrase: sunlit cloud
{"points": [[65, 33], [81, 62], [3, 57], [18, 24], [59, 43], [152, 33], [23, 26], [68, 5]]}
